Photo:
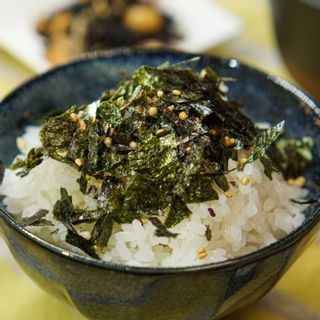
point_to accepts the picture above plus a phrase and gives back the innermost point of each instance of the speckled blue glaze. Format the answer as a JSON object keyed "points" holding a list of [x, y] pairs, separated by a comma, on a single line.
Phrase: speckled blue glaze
{"points": [[106, 291]]}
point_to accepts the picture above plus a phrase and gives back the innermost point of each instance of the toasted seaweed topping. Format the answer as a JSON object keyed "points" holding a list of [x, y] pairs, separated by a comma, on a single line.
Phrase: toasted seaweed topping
{"points": [[153, 144], [63, 211], [34, 158], [37, 219], [161, 230], [102, 231], [208, 233], [291, 157]]}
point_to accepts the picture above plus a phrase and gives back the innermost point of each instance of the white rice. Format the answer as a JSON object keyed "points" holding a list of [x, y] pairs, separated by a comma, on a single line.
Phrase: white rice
{"points": [[256, 215]]}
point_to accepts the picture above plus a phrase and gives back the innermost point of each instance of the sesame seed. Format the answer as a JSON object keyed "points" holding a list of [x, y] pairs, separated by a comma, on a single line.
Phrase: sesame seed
{"points": [[73, 117], [298, 182], [228, 194], [213, 132], [226, 141], [229, 142], [107, 141], [152, 111], [203, 73], [78, 162], [183, 116], [21, 143], [144, 221], [171, 108], [176, 92], [188, 149], [111, 132], [85, 234], [202, 253], [62, 154], [243, 161], [82, 125], [160, 93], [133, 145], [245, 181]]}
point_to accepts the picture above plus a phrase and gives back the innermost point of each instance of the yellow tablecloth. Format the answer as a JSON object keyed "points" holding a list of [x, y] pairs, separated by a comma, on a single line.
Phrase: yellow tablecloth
{"points": [[297, 294]]}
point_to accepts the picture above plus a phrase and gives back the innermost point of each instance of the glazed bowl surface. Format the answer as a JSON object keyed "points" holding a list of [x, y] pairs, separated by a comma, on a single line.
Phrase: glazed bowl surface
{"points": [[107, 291]]}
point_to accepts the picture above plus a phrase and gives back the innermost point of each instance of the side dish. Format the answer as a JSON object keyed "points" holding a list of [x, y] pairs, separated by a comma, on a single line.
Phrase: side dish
{"points": [[101, 24]]}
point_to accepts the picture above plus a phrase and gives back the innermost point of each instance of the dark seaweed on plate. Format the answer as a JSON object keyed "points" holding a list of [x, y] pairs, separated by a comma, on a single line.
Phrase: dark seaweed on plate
{"points": [[153, 144]]}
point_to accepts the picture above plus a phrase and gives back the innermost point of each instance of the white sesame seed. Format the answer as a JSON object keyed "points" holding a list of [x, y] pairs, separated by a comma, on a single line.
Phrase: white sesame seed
{"points": [[183, 116], [160, 93], [82, 125], [78, 162], [245, 181], [152, 111], [133, 145], [73, 117], [107, 141]]}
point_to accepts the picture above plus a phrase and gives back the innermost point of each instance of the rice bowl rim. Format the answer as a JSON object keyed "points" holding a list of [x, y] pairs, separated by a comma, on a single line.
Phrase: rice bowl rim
{"points": [[255, 256]]}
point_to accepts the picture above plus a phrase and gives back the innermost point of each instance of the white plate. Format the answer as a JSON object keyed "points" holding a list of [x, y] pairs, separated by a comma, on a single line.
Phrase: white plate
{"points": [[202, 23]]}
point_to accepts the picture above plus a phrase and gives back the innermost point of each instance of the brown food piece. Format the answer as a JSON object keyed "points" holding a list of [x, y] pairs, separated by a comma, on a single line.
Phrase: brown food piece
{"points": [[59, 23], [42, 26], [151, 43], [142, 18], [61, 49], [101, 8]]}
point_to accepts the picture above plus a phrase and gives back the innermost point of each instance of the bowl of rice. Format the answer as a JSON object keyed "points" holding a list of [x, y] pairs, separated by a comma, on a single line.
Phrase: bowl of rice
{"points": [[156, 184]]}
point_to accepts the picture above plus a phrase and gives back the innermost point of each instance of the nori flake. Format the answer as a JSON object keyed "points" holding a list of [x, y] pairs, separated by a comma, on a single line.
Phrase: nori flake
{"points": [[161, 230], [37, 219]]}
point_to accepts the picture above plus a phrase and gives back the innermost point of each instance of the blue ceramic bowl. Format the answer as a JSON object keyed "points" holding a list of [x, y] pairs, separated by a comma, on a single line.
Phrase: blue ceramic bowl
{"points": [[102, 290]]}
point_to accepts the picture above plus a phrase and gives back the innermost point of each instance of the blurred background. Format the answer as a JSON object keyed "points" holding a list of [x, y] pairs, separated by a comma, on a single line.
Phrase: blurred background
{"points": [[277, 36]]}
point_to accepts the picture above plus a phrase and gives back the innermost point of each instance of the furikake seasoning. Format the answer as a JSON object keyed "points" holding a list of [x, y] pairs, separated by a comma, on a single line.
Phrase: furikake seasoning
{"points": [[150, 146]]}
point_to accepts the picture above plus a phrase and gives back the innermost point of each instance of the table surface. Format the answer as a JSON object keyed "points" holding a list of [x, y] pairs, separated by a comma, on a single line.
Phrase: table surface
{"points": [[296, 296]]}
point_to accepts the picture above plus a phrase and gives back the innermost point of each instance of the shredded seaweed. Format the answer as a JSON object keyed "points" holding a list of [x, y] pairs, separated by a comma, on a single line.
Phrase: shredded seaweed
{"points": [[290, 156], [161, 230], [37, 219], [102, 231], [153, 144], [208, 233], [63, 211], [33, 159]]}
